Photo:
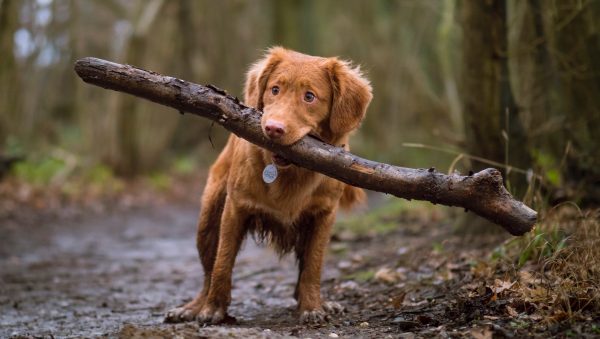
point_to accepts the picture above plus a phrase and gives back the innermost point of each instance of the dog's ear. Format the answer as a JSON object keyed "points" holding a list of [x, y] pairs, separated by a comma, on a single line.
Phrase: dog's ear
{"points": [[351, 96], [258, 76]]}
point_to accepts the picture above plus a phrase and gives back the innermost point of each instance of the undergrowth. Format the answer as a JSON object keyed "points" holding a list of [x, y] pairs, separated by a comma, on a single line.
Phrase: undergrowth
{"points": [[387, 216], [558, 263], [57, 179]]}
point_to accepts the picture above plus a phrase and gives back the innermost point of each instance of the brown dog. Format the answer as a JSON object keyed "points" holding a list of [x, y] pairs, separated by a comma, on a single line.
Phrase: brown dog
{"points": [[299, 95]]}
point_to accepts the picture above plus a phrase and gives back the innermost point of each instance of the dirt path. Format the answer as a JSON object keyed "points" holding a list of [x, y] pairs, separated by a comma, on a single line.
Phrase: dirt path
{"points": [[89, 277], [92, 277], [116, 275]]}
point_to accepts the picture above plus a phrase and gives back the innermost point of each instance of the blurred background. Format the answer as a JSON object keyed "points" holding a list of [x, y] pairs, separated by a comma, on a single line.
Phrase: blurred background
{"points": [[459, 85]]}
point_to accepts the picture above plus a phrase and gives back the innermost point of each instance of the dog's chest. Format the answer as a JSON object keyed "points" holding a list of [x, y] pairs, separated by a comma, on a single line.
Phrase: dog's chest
{"points": [[288, 197], [291, 198]]}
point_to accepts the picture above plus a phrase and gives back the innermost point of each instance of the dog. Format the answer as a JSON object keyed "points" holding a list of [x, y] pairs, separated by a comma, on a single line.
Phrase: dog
{"points": [[299, 95]]}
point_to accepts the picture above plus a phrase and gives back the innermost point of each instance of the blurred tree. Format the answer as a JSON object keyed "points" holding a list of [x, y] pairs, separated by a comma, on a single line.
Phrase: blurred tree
{"points": [[574, 38], [491, 117], [9, 76], [192, 52], [447, 58], [492, 125], [443, 72], [534, 79], [218, 52], [556, 76], [126, 159], [295, 24]]}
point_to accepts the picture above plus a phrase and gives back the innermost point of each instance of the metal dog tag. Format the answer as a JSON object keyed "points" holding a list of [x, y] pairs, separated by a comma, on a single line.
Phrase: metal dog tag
{"points": [[270, 173]]}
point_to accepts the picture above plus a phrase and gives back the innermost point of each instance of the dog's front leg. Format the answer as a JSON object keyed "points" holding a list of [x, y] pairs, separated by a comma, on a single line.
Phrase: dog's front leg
{"points": [[312, 309], [231, 235]]}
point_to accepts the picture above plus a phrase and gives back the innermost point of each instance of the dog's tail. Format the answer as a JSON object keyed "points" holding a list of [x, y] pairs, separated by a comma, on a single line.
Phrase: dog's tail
{"points": [[352, 197]]}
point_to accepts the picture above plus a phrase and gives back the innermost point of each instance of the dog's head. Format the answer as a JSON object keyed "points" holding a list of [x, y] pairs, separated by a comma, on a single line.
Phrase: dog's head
{"points": [[301, 94]]}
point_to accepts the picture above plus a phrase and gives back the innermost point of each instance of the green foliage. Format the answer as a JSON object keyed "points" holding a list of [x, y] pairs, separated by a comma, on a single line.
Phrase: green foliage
{"points": [[100, 174], [382, 219], [13, 146], [549, 166], [360, 276], [519, 324], [184, 165], [542, 243], [438, 247], [39, 172], [159, 180]]}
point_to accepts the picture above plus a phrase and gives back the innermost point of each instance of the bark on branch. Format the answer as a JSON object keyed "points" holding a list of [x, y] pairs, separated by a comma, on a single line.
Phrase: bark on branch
{"points": [[482, 193]]}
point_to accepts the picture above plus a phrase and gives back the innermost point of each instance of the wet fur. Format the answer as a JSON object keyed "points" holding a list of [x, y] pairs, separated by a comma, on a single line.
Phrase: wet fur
{"points": [[296, 212]]}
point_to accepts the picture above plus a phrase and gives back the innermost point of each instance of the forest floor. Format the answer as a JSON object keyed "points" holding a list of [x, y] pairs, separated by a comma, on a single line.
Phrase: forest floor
{"points": [[398, 270]]}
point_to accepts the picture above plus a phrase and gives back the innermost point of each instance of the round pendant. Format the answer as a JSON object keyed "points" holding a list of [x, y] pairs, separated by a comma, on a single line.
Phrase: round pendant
{"points": [[269, 173]]}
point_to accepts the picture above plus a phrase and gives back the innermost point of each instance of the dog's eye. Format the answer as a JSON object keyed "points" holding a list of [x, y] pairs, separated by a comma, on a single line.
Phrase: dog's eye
{"points": [[275, 90], [309, 96]]}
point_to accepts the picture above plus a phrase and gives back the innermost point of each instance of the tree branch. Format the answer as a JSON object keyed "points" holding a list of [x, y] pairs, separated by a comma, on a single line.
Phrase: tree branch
{"points": [[483, 192]]}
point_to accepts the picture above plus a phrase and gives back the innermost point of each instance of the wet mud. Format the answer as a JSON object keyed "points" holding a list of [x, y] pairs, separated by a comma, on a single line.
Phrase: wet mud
{"points": [[116, 275]]}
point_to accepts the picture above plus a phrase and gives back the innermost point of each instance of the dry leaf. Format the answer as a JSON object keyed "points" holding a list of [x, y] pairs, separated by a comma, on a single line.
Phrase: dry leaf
{"points": [[481, 333], [536, 317], [471, 286], [500, 286], [536, 294], [482, 270], [527, 278], [398, 300], [386, 275], [511, 311]]}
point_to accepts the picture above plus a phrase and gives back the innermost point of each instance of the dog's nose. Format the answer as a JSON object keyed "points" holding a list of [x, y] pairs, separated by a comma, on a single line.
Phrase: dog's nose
{"points": [[274, 129]]}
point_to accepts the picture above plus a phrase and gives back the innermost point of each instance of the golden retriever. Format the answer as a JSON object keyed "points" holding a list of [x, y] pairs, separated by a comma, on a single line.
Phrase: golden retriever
{"points": [[299, 95]]}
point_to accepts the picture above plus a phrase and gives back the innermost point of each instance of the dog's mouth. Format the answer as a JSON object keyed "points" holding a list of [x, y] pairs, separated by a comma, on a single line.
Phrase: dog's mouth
{"points": [[280, 161]]}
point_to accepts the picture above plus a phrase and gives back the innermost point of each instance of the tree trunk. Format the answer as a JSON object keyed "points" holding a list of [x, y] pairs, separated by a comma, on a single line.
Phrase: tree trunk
{"points": [[127, 160], [575, 42], [9, 76], [482, 193], [492, 124], [294, 25], [491, 118]]}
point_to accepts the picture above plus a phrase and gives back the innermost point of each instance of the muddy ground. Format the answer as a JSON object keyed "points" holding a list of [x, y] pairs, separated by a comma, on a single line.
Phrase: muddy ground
{"points": [[116, 274]]}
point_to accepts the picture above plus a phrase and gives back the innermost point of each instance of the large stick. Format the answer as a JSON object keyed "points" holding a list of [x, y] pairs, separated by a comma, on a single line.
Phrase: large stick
{"points": [[482, 192]]}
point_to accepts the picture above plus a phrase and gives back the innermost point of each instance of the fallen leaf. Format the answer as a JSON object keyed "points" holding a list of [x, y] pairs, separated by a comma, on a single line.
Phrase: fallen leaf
{"points": [[398, 299], [481, 333], [482, 270], [471, 286], [536, 317], [344, 265], [538, 294], [527, 278], [501, 286], [511, 311], [386, 275]]}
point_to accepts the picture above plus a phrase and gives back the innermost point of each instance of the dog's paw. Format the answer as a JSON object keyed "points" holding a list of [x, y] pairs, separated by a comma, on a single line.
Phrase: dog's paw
{"points": [[332, 307], [314, 317], [214, 315], [182, 314], [321, 315]]}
